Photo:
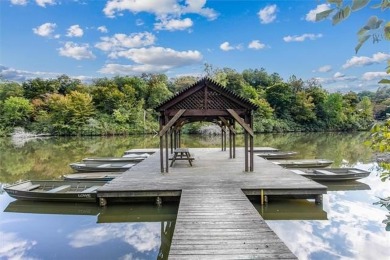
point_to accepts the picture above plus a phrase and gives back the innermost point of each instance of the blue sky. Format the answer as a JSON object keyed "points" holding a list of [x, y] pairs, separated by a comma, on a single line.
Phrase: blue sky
{"points": [[104, 38]]}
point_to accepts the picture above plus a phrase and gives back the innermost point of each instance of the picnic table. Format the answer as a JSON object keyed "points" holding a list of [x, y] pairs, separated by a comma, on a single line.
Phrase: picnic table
{"points": [[181, 154]]}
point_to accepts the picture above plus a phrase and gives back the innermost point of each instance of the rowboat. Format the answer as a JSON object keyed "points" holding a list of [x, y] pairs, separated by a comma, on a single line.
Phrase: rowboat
{"points": [[276, 154], [305, 163], [103, 160], [92, 176], [264, 149], [333, 174], [44, 190], [104, 167]]}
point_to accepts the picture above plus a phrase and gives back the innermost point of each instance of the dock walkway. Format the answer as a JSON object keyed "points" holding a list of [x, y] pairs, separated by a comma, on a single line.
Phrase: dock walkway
{"points": [[223, 224], [215, 218]]}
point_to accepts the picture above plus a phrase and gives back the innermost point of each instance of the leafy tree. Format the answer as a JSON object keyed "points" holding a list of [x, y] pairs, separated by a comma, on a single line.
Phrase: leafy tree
{"points": [[80, 108], [10, 89], [181, 83], [279, 96], [257, 78], [302, 109], [37, 88], [16, 111], [67, 84], [157, 89]]}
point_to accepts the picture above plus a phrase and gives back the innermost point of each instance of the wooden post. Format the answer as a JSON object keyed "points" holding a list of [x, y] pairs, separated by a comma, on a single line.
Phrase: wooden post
{"points": [[251, 166], [166, 152], [246, 150]]}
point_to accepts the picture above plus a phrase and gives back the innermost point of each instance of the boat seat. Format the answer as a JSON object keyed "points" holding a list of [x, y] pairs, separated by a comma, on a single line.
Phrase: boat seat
{"points": [[32, 187], [59, 189], [91, 189], [325, 172]]}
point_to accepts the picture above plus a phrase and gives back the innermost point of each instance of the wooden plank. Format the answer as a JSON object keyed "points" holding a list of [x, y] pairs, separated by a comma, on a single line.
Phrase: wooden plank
{"points": [[221, 223]]}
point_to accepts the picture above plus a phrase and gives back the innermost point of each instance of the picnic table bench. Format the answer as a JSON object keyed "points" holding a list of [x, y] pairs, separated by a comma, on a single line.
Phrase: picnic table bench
{"points": [[181, 154]]}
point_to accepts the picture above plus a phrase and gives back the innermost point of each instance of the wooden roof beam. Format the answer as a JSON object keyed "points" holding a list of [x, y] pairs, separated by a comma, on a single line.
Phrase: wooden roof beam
{"points": [[171, 122], [226, 123], [240, 121]]}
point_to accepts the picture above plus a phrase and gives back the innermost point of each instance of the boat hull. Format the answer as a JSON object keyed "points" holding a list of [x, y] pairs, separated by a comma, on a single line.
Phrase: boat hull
{"points": [[333, 174], [276, 155], [64, 191], [304, 163], [92, 176], [109, 167]]}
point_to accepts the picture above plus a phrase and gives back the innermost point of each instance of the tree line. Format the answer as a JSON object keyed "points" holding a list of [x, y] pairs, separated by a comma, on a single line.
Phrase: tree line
{"points": [[124, 104]]}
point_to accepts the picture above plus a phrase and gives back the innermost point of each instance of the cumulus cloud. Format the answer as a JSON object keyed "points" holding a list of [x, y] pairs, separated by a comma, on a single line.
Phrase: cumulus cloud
{"points": [[360, 61], [161, 8], [76, 51], [173, 24], [225, 46], [102, 29], [311, 15], [301, 38], [267, 14], [75, 31], [153, 59], [120, 41], [374, 75], [45, 30], [325, 68], [256, 44]]}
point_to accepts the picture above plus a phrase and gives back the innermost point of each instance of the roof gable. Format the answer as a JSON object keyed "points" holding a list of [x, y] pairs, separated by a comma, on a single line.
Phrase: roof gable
{"points": [[206, 94]]}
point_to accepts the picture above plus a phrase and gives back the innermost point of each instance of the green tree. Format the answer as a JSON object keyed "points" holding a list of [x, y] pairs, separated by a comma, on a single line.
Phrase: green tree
{"points": [[10, 89], [16, 111], [37, 88], [80, 108], [302, 109], [280, 96]]}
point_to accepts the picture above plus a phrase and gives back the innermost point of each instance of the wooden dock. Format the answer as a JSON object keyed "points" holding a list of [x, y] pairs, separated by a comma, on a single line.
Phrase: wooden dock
{"points": [[223, 224], [215, 218]]}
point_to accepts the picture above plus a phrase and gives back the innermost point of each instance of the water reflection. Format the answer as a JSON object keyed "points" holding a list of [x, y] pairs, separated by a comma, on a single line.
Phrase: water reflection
{"points": [[124, 231], [347, 226], [352, 229]]}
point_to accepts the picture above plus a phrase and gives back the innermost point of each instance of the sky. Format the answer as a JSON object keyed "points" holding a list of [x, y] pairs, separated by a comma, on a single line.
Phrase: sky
{"points": [[89, 39]]}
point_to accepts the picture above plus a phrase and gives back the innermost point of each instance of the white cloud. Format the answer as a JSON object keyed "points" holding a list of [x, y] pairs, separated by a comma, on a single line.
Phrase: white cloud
{"points": [[139, 22], [173, 24], [301, 38], [375, 75], [311, 16], [75, 31], [338, 75], [268, 14], [120, 41], [161, 8], [359, 61], [227, 47], [325, 68], [76, 51], [45, 30], [102, 29], [153, 59], [256, 44], [43, 3], [13, 247], [19, 2]]}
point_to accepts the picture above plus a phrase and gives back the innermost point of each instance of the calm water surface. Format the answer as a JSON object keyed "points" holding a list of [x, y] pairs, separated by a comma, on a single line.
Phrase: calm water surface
{"points": [[346, 226]]}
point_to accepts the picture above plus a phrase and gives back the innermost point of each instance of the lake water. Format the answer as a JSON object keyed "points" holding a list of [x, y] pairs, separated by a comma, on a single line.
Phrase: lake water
{"points": [[346, 226]]}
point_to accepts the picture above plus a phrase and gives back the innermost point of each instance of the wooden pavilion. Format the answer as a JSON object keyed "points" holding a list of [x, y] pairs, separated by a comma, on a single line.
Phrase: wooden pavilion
{"points": [[208, 101]]}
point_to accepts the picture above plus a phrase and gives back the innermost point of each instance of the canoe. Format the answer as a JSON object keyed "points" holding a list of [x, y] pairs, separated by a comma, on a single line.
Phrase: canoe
{"points": [[304, 163], [139, 152], [276, 155], [333, 174], [92, 176], [104, 167], [43, 190]]}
